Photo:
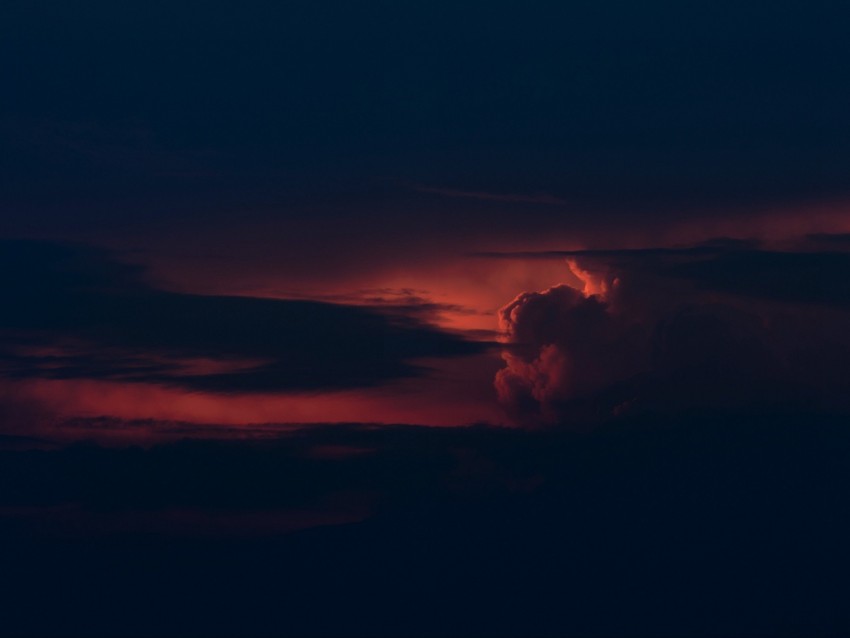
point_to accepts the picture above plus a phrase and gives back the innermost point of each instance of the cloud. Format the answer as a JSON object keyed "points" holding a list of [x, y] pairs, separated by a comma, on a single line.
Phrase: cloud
{"points": [[564, 345], [718, 325], [819, 278], [808, 271], [72, 312], [499, 526]]}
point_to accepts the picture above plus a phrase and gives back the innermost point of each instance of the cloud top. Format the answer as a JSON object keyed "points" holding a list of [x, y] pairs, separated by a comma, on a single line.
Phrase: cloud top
{"points": [[720, 325]]}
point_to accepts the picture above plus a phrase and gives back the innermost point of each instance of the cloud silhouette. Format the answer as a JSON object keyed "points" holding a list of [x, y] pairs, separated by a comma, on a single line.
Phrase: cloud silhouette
{"points": [[795, 277], [72, 312], [671, 522]]}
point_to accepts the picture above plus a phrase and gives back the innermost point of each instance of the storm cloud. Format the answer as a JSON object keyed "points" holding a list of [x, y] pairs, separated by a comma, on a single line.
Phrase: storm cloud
{"points": [[719, 325]]}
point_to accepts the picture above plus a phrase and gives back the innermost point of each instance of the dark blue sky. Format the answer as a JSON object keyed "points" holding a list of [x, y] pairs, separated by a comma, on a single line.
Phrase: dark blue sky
{"points": [[151, 110]]}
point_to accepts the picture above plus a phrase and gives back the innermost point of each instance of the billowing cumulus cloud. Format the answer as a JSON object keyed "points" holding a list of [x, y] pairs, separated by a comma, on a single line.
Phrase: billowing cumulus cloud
{"points": [[718, 326], [563, 345]]}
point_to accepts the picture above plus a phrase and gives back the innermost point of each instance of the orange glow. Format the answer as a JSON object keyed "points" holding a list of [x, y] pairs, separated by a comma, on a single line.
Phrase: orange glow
{"points": [[465, 292], [457, 393]]}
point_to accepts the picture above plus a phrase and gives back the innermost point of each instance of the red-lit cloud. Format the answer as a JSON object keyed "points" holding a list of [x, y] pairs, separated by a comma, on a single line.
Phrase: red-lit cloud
{"points": [[563, 345], [721, 325], [429, 290]]}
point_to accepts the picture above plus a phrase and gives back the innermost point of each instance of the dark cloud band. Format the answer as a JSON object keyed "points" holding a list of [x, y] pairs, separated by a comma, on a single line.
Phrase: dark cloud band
{"points": [[75, 313]]}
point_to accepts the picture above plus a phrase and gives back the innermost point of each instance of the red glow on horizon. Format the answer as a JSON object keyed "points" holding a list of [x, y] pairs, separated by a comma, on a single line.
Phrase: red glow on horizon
{"points": [[454, 395], [464, 293]]}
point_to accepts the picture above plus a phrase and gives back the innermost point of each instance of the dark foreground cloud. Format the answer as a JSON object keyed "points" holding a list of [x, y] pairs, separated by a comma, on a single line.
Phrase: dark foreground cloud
{"points": [[817, 278], [714, 524], [725, 323], [72, 312]]}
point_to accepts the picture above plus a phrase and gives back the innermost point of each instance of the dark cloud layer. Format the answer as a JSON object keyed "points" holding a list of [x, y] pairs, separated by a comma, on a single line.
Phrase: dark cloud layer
{"points": [[715, 524], [819, 278], [71, 312]]}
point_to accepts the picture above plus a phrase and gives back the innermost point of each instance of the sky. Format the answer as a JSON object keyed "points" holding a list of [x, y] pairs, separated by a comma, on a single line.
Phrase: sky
{"points": [[304, 212], [424, 318]]}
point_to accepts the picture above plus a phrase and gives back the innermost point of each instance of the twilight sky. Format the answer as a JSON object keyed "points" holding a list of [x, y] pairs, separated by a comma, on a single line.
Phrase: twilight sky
{"points": [[424, 318], [425, 213]]}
